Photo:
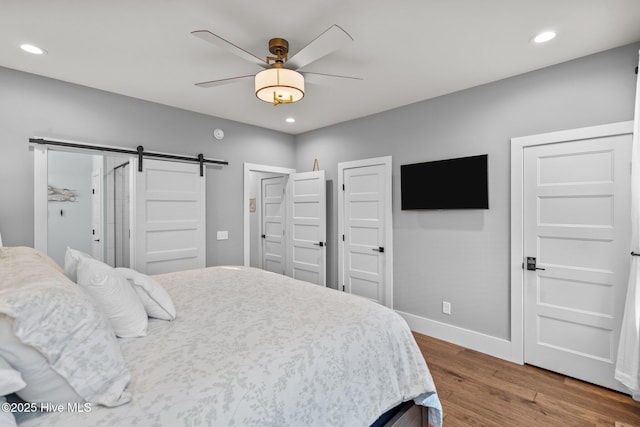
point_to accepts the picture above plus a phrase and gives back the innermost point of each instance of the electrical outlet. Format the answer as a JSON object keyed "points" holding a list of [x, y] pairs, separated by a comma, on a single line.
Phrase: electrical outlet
{"points": [[222, 235], [446, 307]]}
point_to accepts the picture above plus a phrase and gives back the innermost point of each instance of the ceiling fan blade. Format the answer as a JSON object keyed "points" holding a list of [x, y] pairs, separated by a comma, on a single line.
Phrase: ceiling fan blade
{"points": [[221, 82], [216, 40], [332, 39], [327, 79]]}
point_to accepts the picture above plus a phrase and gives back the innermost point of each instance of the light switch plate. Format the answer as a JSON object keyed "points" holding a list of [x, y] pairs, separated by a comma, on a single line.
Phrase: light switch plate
{"points": [[222, 235]]}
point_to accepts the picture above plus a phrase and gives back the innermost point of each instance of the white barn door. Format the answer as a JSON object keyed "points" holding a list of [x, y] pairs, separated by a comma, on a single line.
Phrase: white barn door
{"points": [[577, 230], [168, 217], [307, 232]]}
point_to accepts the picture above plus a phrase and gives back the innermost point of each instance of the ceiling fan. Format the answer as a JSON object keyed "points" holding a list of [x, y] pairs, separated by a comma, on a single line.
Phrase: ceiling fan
{"points": [[280, 82]]}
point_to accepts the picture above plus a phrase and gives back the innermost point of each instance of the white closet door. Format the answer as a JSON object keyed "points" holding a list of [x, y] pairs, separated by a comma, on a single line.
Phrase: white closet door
{"points": [[168, 217], [364, 237], [307, 231], [577, 228], [272, 225]]}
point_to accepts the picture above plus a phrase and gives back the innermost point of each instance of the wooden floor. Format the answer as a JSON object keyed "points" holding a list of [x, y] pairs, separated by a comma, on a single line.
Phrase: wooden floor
{"points": [[479, 390]]}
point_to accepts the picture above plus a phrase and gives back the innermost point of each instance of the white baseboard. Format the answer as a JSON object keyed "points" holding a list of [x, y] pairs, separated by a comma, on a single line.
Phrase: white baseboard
{"points": [[483, 343]]}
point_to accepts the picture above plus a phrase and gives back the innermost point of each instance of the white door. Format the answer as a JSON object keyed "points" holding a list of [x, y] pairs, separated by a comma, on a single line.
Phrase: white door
{"points": [[168, 217], [363, 235], [96, 215], [577, 226], [272, 224], [306, 229]]}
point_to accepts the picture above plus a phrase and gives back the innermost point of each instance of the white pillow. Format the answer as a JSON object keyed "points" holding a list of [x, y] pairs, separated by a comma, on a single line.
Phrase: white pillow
{"points": [[115, 296], [43, 384], [52, 317], [71, 259], [155, 298], [10, 379]]}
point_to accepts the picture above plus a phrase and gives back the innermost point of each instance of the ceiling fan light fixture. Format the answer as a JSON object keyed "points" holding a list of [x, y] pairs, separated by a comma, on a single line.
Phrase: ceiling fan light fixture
{"points": [[279, 86]]}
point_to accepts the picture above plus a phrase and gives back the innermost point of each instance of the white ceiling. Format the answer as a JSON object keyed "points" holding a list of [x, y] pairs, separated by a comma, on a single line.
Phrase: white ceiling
{"points": [[405, 51]]}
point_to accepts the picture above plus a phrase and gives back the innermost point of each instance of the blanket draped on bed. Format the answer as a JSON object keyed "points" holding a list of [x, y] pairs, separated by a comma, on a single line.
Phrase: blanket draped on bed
{"points": [[252, 348]]}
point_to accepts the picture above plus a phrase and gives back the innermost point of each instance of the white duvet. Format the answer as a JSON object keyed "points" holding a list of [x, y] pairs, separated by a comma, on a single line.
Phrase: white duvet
{"points": [[252, 348]]}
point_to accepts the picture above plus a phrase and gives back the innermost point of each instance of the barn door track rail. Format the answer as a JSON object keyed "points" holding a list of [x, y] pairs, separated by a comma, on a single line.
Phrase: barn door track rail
{"points": [[139, 152]]}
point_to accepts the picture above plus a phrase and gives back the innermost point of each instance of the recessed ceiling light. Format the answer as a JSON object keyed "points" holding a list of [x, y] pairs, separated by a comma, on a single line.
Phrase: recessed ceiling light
{"points": [[32, 49], [290, 120], [544, 37]]}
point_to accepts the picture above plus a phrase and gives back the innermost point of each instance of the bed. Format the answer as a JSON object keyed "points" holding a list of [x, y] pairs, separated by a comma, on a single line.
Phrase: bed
{"points": [[246, 348]]}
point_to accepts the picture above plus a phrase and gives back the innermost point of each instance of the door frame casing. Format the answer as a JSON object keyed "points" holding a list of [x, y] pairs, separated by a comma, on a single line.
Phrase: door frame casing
{"points": [[248, 168], [40, 212], [97, 174], [388, 221], [518, 146]]}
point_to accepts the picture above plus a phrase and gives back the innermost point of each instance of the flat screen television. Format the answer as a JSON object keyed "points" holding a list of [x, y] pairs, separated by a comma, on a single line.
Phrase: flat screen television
{"points": [[460, 183]]}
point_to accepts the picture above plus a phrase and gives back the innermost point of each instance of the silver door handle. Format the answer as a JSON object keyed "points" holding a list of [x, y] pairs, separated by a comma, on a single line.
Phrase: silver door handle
{"points": [[378, 249], [321, 244], [96, 240]]}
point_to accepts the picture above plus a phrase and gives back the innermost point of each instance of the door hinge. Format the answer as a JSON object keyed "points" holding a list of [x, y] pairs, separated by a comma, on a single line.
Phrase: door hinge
{"points": [[342, 288], [93, 191], [343, 237], [343, 189]]}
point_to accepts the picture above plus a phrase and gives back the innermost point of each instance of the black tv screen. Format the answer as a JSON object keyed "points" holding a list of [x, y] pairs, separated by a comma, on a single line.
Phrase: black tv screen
{"points": [[460, 183]]}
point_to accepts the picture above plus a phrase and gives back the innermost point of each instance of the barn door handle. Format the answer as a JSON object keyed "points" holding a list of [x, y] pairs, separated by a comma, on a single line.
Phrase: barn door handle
{"points": [[378, 249], [321, 244]]}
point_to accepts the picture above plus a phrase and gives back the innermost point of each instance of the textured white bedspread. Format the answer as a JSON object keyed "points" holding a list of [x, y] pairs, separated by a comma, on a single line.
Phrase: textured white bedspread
{"points": [[252, 348]]}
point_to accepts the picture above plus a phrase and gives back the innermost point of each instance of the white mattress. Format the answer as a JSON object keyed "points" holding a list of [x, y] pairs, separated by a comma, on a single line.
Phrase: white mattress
{"points": [[252, 348]]}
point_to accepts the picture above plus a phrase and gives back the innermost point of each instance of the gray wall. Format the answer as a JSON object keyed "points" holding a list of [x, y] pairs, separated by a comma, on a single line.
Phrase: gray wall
{"points": [[463, 256], [36, 106], [458, 256]]}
